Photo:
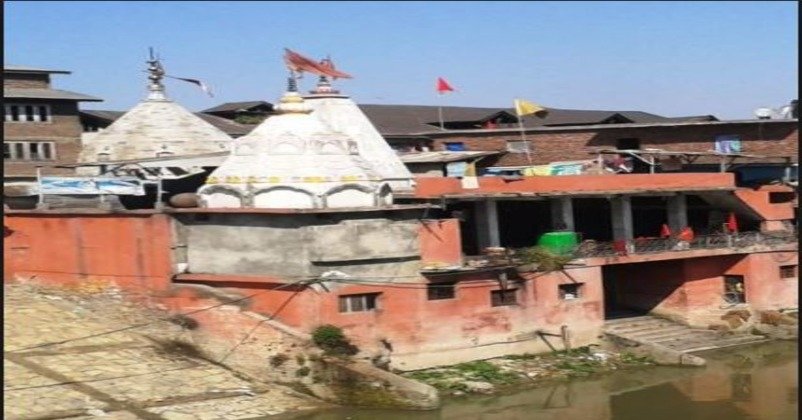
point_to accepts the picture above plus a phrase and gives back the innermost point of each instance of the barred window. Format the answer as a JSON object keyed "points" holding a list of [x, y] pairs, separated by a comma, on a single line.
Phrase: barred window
{"points": [[570, 291], [27, 113], [440, 291], [27, 150], [358, 303], [504, 297], [788, 271]]}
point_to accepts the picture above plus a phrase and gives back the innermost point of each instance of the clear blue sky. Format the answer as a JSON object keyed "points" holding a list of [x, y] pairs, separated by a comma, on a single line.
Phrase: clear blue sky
{"points": [[669, 58]]}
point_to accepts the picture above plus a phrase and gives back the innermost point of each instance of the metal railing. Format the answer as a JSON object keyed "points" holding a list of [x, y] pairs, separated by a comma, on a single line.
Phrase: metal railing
{"points": [[590, 248]]}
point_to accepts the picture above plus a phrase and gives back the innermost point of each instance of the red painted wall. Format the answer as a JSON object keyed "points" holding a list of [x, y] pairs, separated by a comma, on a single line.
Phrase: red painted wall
{"points": [[440, 241], [131, 251]]}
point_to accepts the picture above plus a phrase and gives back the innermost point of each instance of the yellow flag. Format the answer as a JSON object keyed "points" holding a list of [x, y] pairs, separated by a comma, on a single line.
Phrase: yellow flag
{"points": [[523, 107]]}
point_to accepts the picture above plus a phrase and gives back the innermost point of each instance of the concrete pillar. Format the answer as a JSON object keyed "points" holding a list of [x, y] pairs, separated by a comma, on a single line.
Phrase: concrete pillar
{"points": [[677, 212], [562, 213], [622, 218], [487, 224]]}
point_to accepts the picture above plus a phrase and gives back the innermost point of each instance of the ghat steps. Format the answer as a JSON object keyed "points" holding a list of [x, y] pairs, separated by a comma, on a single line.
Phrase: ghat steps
{"points": [[668, 338]]}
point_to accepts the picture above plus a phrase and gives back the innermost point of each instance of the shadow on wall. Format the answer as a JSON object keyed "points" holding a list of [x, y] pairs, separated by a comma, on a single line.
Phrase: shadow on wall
{"points": [[627, 287]]}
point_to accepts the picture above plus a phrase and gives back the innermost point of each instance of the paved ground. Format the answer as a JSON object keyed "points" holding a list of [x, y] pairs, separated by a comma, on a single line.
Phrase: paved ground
{"points": [[117, 376]]}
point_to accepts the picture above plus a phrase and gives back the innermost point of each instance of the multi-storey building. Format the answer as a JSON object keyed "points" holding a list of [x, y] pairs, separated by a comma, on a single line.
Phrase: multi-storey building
{"points": [[41, 124]]}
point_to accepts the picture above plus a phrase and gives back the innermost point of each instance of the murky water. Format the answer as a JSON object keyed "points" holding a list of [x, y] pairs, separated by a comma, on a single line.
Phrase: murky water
{"points": [[755, 382]]}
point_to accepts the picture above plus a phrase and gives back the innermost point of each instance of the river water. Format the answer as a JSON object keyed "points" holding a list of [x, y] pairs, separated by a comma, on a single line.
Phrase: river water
{"points": [[752, 382]]}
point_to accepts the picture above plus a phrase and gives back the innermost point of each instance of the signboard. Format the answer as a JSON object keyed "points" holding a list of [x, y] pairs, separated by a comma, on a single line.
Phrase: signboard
{"points": [[91, 186]]}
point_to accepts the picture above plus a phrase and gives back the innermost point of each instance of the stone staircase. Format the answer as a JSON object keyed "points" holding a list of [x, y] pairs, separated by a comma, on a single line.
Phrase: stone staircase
{"points": [[671, 342]]}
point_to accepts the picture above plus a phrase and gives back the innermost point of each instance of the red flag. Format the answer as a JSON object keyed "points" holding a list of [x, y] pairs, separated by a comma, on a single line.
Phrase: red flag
{"points": [[665, 231], [443, 86], [732, 223]]}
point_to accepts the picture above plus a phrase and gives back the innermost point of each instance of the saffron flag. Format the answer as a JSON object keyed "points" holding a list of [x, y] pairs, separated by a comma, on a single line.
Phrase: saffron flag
{"points": [[523, 107], [443, 86], [732, 223], [297, 62]]}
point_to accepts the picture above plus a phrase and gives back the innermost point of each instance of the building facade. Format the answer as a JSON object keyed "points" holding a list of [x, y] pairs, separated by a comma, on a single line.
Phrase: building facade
{"points": [[41, 123]]}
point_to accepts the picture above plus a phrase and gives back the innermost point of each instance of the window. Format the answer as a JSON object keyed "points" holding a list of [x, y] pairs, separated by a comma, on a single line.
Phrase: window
{"points": [[518, 146], [504, 297], [440, 291], [27, 113], [627, 144], [26, 150], [358, 303], [734, 289], [570, 291], [33, 151], [788, 271], [727, 143], [455, 146]]}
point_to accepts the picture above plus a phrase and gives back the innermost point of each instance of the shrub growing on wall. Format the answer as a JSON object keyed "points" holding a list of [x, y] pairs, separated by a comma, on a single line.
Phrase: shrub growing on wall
{"points": [[332, 340]]}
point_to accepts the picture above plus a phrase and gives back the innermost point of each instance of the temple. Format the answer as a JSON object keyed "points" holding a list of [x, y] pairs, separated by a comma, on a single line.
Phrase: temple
{"points": [[293, 160], [156, 127]]}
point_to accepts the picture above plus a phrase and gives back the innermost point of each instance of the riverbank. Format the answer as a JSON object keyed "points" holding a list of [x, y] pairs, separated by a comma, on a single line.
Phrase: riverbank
{"points": [[84, 353], [499, 375]]}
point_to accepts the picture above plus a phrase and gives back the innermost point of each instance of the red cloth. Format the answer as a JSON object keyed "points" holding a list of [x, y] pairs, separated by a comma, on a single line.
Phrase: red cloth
{"points": [[665, 232], [620, 247], [686, 234], [732, 223], [443, 86]]}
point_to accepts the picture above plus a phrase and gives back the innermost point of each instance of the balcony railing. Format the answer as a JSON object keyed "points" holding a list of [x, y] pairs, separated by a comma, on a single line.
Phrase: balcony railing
{"points": [[590, 249]]}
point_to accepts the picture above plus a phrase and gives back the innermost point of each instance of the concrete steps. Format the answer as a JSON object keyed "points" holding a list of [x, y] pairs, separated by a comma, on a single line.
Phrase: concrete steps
{"points": [[670, 342]]}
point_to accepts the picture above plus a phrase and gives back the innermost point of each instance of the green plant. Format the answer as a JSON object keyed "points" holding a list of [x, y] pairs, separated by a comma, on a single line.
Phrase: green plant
{"points": [[485, 371], [543, 258], [300, 359], [332, 341]]}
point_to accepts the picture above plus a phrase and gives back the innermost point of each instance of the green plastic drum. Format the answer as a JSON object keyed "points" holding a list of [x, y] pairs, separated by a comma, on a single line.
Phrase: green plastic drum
{"points": [[560, 243]]}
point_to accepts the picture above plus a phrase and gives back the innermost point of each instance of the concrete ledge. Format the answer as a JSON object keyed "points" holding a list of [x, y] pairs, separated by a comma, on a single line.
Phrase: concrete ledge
{"points": [[363, 385]]}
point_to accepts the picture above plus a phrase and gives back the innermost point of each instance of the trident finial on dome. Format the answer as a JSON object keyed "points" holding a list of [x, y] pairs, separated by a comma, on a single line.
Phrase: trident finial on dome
{"points": [[156, 71]]}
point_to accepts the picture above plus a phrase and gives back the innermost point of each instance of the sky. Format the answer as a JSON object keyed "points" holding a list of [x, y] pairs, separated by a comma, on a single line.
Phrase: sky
{"points": [[668, 58]]}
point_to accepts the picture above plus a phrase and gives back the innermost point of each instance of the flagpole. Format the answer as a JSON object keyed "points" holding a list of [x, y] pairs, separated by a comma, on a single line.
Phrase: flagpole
{"points": [[440, 116], [523, 139]]}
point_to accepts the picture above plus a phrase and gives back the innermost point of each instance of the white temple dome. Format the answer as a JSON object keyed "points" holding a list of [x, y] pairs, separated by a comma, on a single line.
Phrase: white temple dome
{"points": [[156, 127], [293, 160], [342, 114]]}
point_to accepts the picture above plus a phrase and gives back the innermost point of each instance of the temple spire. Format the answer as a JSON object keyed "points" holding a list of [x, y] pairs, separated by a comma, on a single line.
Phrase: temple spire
{"points": [[155, 75]]}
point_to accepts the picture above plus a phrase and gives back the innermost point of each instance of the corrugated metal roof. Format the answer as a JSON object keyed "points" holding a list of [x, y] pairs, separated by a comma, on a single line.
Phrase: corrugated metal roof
{"points": [[236, 106], [443, 156], [10, 68], [48, 94]]}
